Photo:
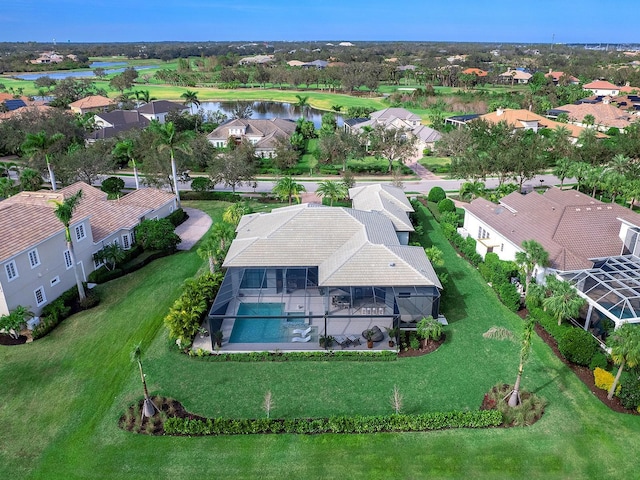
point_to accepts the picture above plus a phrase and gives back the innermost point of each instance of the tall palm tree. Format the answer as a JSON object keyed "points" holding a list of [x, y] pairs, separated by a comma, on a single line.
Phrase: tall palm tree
{"points": [[620, 164], [215, 247], [40, 143], [171, 140], [190, 99], [562, 170], [625, 350], [144, 96], [125, 149], [287, 188], [563, 301], [525, 348], [472, 190], [632, 190], [64, 212], [579, 170], [148, 408], [532, 254], [233, 213], [331, 189]]}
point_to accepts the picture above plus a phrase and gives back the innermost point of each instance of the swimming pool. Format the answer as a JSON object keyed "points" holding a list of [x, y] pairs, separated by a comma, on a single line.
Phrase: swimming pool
{"points": [[261, 330]]}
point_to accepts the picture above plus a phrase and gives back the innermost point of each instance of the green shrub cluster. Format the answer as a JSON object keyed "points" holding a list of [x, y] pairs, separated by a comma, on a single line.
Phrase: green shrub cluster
{"points": [[446, 205], [177, 217], [187, 312], [499, 273], [436, 194], [337, 424], [630, 389], [156, 235], [578, 346], [134, 263], [220, 196], [358, 356]]}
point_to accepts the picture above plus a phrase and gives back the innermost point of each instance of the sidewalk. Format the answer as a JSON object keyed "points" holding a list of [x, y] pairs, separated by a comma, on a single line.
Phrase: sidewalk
{"points": [[193, 229]]}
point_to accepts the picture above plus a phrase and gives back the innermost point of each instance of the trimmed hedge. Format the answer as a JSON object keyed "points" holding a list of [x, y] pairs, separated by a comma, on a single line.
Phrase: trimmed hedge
{"points": [[360, 356], [222, 196], [337, 424], [177, 217], [436, 194], [578, 346], [102, 275], [62, 307]]}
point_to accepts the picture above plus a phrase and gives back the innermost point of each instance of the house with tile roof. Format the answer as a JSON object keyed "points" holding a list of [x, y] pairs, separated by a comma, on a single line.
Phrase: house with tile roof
{"points": [[555, 76], [400, 119], [260, 132], [159, 109], [524, 119], [478, 72], [36, 266], [602, 87], [606, 114], [325, 270], [515, 76], [92, 103], [573, 228]]}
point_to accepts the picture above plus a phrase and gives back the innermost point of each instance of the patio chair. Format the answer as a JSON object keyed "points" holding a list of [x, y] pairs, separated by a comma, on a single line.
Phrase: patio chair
{"points": [[353, 339], [341, 340], [301, 339], [303, 332]]}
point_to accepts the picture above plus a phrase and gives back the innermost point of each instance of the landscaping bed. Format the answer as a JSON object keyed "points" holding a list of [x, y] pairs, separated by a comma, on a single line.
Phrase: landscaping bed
{"points": [[430, 347], [9, 340]]}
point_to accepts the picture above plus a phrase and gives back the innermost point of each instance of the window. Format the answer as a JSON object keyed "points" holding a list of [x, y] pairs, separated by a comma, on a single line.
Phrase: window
{"points": [[11, 269], [34, 258], [97, 262], [80, 234], [502, 247], [67, 259], [55, 280], [40, 296], [125, 242]]}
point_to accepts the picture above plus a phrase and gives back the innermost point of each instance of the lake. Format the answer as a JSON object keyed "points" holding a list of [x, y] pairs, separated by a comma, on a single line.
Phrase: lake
{"points": [[80, 74], [267, 110]]}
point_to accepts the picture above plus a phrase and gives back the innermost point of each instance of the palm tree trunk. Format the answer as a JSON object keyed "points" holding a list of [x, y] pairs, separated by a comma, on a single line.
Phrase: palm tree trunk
{"points": [[615, 381], [514, 398], [148, 408], [81, 293], [174, 173], [212, 264], [135, 176], [52, 176]]}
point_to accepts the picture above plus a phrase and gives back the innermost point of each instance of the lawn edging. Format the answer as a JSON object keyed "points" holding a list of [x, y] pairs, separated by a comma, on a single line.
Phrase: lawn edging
{"points": [[338, 424], [275, 356]]}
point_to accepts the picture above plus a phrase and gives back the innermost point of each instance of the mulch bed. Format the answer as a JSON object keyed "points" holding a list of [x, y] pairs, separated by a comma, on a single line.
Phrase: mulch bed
{"points": [[9, 340], [431, 347], [584, 374], [131, 420]]}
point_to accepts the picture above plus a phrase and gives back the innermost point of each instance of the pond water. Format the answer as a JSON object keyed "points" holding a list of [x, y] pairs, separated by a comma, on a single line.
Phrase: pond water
{"points": [[78, 74], [267, 110]]}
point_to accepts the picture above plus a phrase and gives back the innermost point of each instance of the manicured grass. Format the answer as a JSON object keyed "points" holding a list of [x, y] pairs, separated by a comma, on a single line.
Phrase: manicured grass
{"points": [[61, 397]]}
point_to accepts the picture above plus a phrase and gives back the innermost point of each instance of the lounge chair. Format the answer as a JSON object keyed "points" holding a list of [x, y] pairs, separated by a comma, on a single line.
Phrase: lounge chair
{"points": [[303, 332], [341, 340], [301, 339], [353, 339]]}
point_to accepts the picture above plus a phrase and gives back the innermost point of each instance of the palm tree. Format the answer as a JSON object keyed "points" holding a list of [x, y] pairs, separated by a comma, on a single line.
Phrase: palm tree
{"points": [[64, 213], [171, 140], [215, 247], [525, 348], [332, 190], [632, 190], [125, 148], [579, 170], [471, 190], [563, 300], [562, 169], [7, 167], [532, 254], [620, 164], [233, 213], [148, 408], [287, 188], [41, 144], [144, 96], [303, 101], [190, 99], [625, 350]]}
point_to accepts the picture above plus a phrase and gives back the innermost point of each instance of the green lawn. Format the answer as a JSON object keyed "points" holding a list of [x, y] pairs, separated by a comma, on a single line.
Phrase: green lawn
{"points": [[61, 397]]}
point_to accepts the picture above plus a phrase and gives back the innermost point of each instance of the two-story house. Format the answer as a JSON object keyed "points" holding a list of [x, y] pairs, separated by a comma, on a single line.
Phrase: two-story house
{"points": [[261, 133]]}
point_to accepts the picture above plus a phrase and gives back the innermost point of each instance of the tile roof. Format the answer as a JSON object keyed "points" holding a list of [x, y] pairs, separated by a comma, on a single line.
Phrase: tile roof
{"points": [[603, 113], [394, 112], [570, 225], [557, 75], [267, 129], [160, 106], [386, 199], [349, 246], [19, 214], [475, 71], [92, 101], [600, 85]]}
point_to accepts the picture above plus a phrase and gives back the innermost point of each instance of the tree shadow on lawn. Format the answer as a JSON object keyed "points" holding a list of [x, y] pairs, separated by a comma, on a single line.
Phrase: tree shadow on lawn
{"points": [[452, 302]]}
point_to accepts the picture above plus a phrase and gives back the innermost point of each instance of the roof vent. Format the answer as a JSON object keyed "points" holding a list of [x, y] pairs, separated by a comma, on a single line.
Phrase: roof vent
{"points": [[392, 264]]}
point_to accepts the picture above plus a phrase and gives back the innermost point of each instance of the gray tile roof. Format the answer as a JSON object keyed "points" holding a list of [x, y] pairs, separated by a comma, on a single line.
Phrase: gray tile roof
{"points": [[160, 106], [349, 246], [570, 225], [387, 199]]}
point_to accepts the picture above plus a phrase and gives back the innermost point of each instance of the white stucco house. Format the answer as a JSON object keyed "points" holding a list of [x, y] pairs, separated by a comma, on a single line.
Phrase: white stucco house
{"points": [[260, 132]]}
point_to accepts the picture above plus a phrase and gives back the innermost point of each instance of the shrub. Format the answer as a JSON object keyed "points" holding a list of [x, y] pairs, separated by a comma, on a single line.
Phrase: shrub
{"points": [[446, 205], [629, 391], [156, 235], [509, 295], [604, 379], [599, 360], [222, 196], [201, 184], [436, 194], [578, 346], [177, 217], [112, 185]]}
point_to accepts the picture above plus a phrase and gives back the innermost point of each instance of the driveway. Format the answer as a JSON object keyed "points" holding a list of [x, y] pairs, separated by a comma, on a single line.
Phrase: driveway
{"points": [[194, 228]]}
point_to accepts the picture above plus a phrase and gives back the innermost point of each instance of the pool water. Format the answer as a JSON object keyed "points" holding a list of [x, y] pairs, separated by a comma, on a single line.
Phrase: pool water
{"points": [[260, 330]]}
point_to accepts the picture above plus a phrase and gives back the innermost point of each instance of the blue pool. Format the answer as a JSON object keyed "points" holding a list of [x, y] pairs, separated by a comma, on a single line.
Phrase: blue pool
{"points": [[261, 330]]}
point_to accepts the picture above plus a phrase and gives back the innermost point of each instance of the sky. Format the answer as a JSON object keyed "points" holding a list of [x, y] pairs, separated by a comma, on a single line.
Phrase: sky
{"points": [[508, 21]]}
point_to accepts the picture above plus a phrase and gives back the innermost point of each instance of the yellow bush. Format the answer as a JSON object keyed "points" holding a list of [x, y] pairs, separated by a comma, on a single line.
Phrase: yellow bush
{"points": [[604, 379]]}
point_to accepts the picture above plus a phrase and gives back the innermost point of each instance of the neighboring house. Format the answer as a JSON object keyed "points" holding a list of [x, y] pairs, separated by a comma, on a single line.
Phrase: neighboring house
{"points": [[261, 133], [572, 227], [92, 103], [47, 57], [475, 71], [401, 119], [29, 108], [111, 123], [256, 59], [159, 109], [324, 270], [36, 266], [605, 114], [515, 76], [556, 76], [602, 87], [524, 119], [627, 89]]}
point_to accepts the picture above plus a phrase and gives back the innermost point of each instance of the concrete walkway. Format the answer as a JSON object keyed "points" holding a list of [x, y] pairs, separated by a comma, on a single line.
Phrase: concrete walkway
{"points": [[194, 228]]}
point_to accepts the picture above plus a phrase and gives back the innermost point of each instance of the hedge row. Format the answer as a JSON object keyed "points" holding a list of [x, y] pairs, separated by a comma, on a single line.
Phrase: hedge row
{"points": [[177, 217], [103, 275], [222, 196], [381, 356], [338, 424], [63, 307]]}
